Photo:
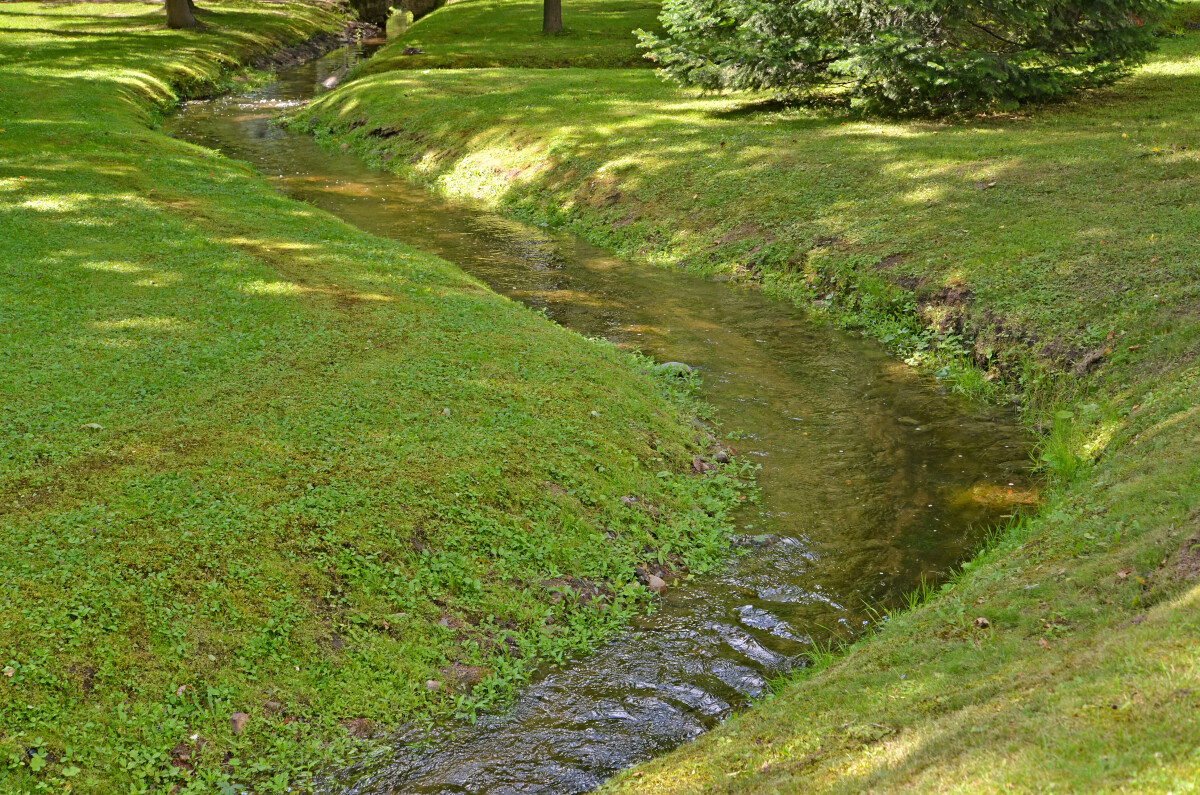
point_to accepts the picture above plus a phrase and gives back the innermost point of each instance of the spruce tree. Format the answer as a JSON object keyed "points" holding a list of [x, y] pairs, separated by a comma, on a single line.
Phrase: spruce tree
{"points": [[905, 56]]}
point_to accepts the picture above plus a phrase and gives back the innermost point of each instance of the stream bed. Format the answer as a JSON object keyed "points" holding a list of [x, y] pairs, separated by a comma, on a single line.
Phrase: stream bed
{"points": [[873, 477]]}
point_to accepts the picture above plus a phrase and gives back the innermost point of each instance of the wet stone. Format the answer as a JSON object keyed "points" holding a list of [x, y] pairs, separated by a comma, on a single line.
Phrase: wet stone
{"points": [[758, 541]]}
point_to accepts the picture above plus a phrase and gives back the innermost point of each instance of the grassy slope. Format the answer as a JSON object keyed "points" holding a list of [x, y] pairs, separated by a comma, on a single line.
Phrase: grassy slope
{"points": [[255, 460], [1074, 279], [493, 33]]}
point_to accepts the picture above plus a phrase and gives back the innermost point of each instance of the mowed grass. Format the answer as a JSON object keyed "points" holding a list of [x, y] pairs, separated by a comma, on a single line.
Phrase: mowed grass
{"points": [[256, 461], [1052, 255], [1045, 232], [494, 33]]}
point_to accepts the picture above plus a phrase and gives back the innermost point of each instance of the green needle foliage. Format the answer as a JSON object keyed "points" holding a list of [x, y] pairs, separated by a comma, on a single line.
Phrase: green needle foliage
{"points": [[912, 57]]}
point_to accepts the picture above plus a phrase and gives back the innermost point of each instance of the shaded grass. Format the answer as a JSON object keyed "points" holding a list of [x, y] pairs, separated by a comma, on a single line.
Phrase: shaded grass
{"points": [[1052, 255], [255, 460], [597, 34]]}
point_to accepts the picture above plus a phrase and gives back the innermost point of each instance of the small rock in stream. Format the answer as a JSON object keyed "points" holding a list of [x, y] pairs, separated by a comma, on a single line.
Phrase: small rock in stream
{"points": [[722, 457], [656, 584], [675, 368], [765, 540]]}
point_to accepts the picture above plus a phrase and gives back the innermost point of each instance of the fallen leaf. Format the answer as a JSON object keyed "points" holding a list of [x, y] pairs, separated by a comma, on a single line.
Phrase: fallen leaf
{"points": [[1123, 573]]}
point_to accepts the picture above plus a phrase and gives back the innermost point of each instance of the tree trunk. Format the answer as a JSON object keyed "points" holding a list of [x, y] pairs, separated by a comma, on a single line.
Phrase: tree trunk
{"points": [[551, 16], [179, 14], [192, 6]]}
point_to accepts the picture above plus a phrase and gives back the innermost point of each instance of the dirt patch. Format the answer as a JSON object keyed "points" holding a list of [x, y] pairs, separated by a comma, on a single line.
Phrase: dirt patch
{"points": [[383, 132], [945, 309], [359, 727], [742, 232], [315, 47], [1187, 565], [956, 295], [626, 221], [1088, 362], [463, 676]]}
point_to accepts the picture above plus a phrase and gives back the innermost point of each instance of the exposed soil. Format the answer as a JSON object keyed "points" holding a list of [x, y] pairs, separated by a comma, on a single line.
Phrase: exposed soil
{"points": [[315, 47]]}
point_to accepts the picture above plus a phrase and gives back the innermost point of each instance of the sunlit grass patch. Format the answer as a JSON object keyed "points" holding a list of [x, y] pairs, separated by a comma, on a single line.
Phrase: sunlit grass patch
{"points": [[1049, 257], [253, 460], [597, 34]]}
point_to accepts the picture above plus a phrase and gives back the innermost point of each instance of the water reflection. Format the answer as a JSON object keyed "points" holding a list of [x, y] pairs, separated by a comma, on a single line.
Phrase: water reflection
{"points": [[872, 478]]}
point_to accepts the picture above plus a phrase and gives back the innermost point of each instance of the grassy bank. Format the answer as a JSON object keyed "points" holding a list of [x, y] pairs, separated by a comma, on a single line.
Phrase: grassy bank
{"points": [[495, 33], [1052, 255], [256, 461]]}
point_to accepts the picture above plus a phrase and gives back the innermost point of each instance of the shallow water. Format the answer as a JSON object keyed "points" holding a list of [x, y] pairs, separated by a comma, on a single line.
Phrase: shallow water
{"points": [[872, 478]]}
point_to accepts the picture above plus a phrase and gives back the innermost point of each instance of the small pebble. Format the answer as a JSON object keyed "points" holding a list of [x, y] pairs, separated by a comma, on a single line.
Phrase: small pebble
{"points": [[237, 722]]}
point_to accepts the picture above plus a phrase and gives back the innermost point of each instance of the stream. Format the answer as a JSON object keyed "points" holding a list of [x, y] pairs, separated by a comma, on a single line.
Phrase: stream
{"points": [[873, 477]]}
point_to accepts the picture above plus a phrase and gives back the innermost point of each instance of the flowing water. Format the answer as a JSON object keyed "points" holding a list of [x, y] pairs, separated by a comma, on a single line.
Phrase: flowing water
{"points": [[872, 478]]}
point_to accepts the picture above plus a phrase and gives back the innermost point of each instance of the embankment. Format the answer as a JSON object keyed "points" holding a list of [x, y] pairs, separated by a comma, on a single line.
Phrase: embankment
{"points": [[267, 482], [1049, 256]]}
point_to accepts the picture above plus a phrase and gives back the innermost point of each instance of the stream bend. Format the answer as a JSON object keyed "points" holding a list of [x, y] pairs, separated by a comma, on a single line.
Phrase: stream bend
{"points": [[872, 477]]}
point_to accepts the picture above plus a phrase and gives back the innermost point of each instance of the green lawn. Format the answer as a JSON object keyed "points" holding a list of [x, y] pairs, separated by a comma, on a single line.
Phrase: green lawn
{"points": [[481, 33], [254, 460], [1052, 255]]}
